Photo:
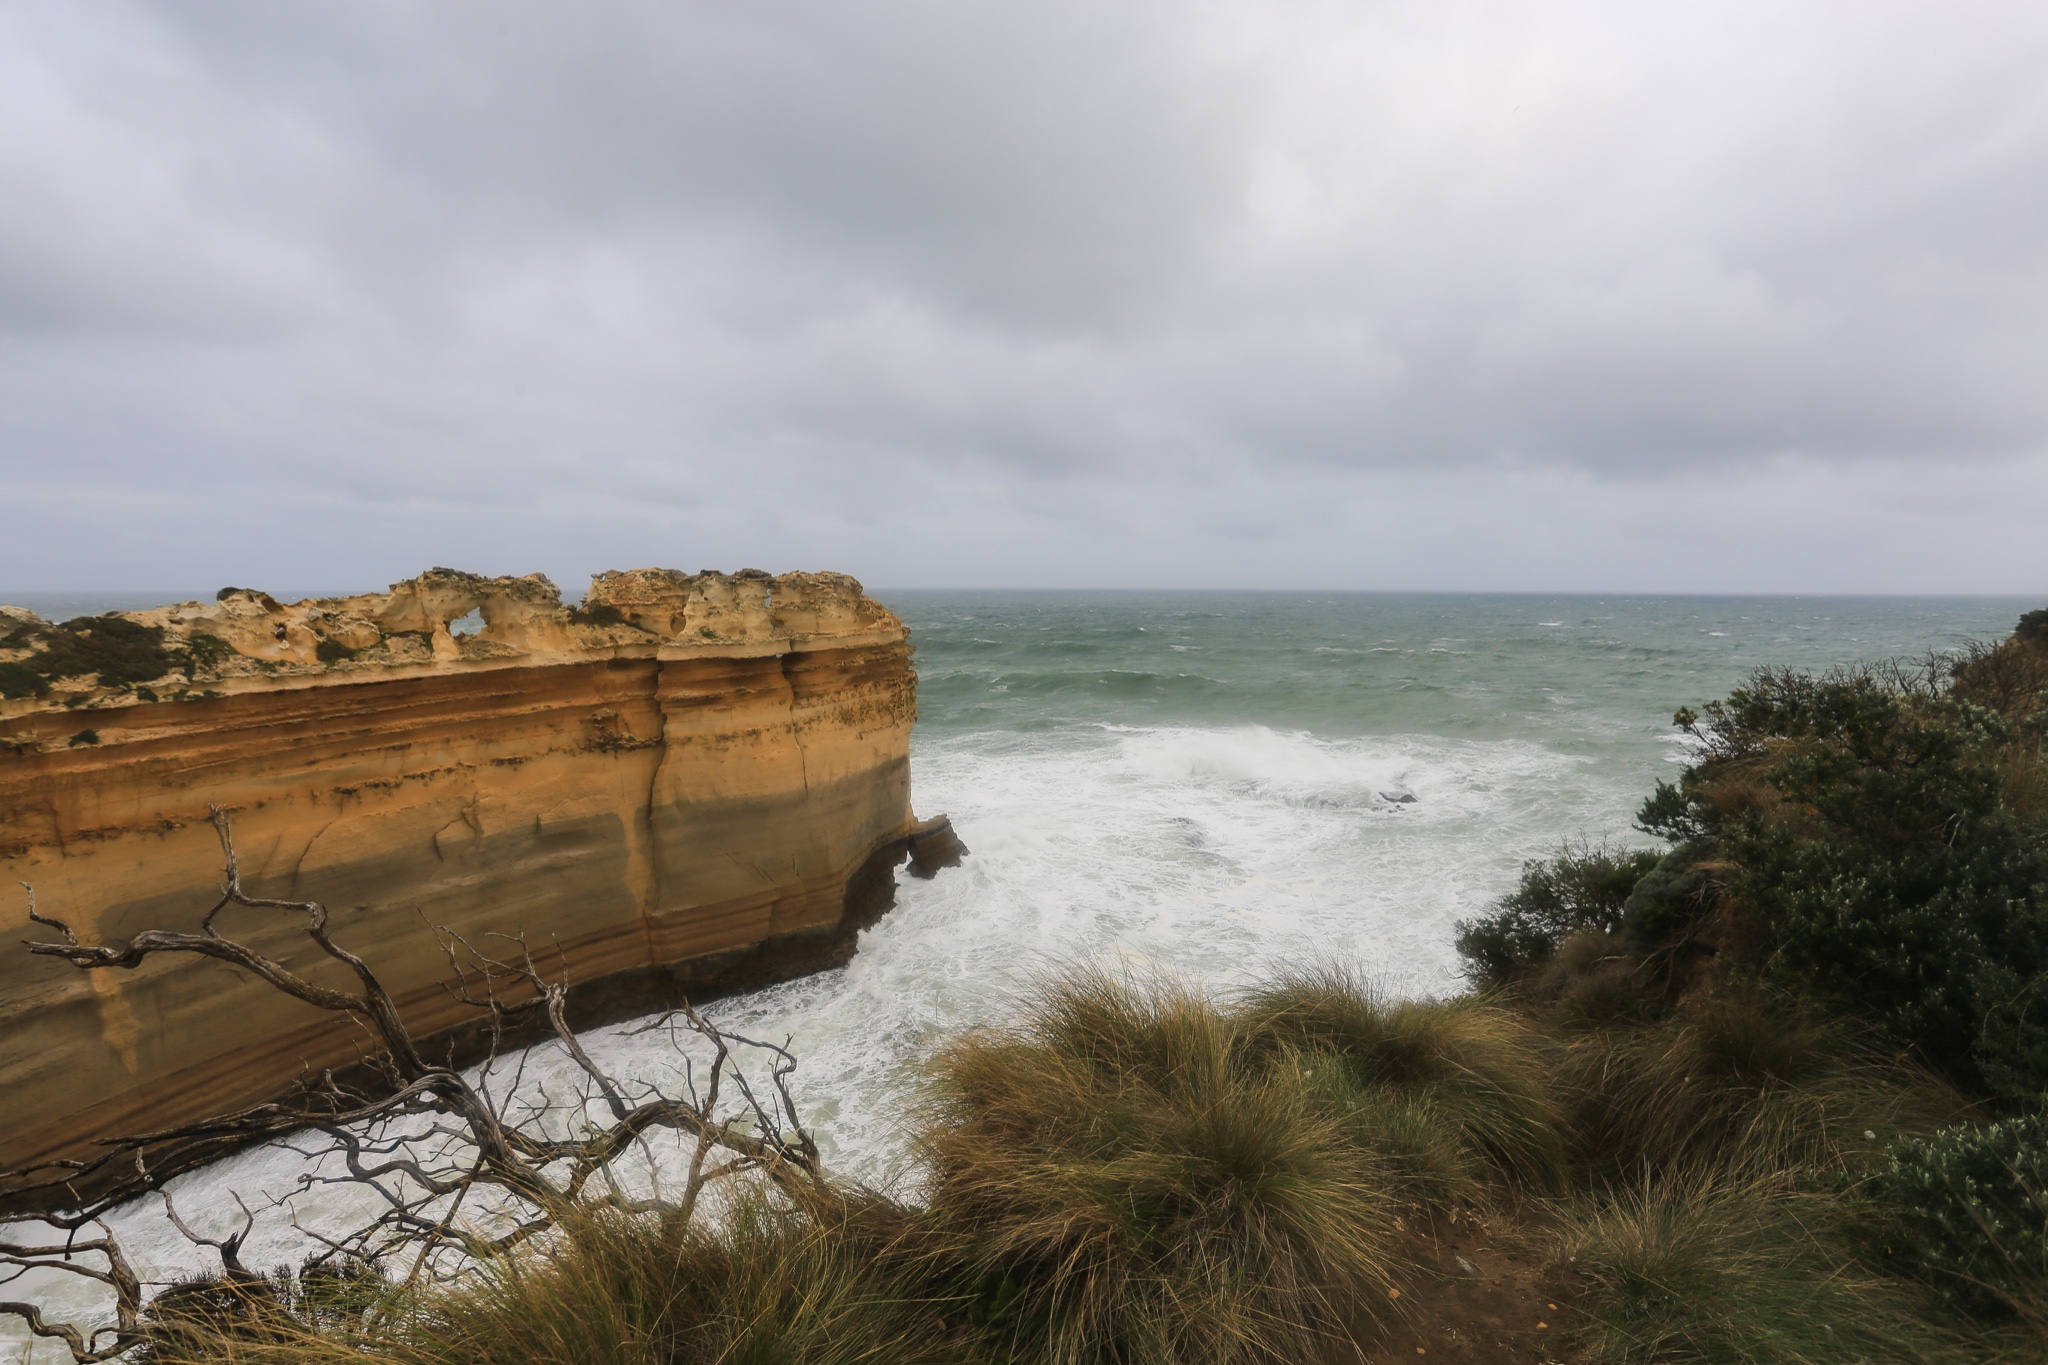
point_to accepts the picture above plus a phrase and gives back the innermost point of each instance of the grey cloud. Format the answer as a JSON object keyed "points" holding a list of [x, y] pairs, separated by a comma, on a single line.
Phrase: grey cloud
{"points": [[937, 290]]}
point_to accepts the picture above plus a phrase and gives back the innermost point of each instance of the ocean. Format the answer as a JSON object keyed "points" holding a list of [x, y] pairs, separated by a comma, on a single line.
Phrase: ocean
{"points": [[1220, 785]]}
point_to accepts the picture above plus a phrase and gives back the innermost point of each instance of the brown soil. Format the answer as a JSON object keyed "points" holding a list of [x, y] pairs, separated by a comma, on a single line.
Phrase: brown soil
{"points": [[1479, 1296]]}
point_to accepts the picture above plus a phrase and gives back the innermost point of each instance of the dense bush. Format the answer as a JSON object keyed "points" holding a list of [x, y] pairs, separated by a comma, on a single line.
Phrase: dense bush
{"points": [[17, 681], [114, 648], [1585, 887], [1868, 852], [203, 651], [1968, 1210]]}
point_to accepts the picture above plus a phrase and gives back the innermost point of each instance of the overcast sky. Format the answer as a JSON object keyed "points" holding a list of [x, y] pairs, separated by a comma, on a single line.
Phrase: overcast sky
{"points": [[1459, 294]]}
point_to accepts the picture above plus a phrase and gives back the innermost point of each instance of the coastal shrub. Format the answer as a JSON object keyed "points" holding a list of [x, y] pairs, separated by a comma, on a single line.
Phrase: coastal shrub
{"points": [[333, 652], [1454, 1093], [203, 652], [1967, 1210], [1582, 888], [601, 614], [17, 682], [2008, 677], [1129, 1179], [1867, 853], [1712, 1267], [113, 648]]}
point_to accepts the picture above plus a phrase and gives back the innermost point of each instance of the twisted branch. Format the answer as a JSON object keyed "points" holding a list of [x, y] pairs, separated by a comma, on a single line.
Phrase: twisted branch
{"points": [[459, 1174]]}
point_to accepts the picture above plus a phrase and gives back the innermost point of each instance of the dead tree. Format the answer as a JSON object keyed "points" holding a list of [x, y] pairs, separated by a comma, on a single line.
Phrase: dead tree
{"points": [[459, 1167]]}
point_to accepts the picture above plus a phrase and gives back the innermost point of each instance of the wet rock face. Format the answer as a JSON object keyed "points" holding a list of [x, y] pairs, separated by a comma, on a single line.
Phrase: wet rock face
{"points": [[688, 781]]}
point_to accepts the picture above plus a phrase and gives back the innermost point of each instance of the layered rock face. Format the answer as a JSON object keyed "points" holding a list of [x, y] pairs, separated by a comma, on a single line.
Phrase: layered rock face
{"points": [[687, 783]]}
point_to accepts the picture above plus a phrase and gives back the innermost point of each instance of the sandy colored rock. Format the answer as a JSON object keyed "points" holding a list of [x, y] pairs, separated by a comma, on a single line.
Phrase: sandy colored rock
{"points": [[691, 781]]}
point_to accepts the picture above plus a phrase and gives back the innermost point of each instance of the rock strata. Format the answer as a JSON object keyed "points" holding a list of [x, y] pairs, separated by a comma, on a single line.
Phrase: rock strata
{"points": [[687, 782]]}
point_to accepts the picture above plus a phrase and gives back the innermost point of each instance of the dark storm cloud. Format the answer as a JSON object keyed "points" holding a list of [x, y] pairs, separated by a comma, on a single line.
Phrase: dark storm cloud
{"points": [[1392, 294]]}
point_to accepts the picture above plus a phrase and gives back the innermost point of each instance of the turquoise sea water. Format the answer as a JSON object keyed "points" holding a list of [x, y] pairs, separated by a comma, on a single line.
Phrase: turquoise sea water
{"points": [[1210, 785]]}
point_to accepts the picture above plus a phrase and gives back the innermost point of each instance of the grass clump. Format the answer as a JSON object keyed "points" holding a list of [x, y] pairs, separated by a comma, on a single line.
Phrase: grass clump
{"points": [[1723, 1268], [769, 1283], [1457, 1094], [1741, 1076], [1130, 1178]]}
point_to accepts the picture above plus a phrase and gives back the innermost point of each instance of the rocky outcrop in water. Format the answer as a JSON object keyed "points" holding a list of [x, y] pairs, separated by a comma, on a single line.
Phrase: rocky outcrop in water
{"points": [[688, 782]]}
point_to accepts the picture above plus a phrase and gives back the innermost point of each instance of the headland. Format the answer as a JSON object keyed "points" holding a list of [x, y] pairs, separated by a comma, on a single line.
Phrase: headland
{"points": [[687, 783]]}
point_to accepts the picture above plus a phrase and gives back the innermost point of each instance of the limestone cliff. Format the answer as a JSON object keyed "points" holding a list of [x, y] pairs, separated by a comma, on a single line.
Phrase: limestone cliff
{"points": [[689, 781]]}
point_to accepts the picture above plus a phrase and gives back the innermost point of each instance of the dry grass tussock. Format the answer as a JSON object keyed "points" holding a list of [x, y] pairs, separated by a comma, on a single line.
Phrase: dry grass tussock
{"points": [[1457, 1094], [1739, 1077], [1131, 1174], [1727, 1267], [767, 1283]]}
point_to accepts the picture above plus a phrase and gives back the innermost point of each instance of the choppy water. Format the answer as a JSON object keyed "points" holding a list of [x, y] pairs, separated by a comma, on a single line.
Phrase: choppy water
{"points": [[1201, 783]]}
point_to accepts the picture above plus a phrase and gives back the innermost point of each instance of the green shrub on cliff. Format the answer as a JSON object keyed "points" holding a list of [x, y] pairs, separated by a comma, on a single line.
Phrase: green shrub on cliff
{"points": [[1967, 1210], [111, 648], [1582, 889], [17, 681], [1874, 841], [1870, 855]]}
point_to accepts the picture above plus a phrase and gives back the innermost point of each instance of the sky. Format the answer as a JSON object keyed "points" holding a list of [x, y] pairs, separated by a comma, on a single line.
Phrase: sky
{"points": [[1580, 295]]}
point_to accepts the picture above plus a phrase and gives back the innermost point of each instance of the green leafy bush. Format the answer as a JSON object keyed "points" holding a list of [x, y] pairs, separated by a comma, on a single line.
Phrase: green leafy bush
{"points": [[1968, 1211], [17, 682], [1868, 852], [1584, 887], [602, 614], [203, 651], [113, 648]]}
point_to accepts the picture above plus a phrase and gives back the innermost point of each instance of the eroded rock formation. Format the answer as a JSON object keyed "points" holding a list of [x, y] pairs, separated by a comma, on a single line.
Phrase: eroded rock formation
{"points": [[687, 782]]}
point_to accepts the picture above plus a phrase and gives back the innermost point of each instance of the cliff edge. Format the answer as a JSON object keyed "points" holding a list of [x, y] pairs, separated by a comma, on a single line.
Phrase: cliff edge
{"points": [[688, 782]]}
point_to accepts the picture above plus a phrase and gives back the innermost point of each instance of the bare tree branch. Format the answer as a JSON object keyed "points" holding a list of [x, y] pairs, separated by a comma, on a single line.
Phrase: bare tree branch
{"points": [[455, 1172]]}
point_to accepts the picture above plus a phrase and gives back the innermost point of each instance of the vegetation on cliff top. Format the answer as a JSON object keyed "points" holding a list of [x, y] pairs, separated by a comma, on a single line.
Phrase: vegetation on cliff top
{"points": [[1773, 1093]]}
